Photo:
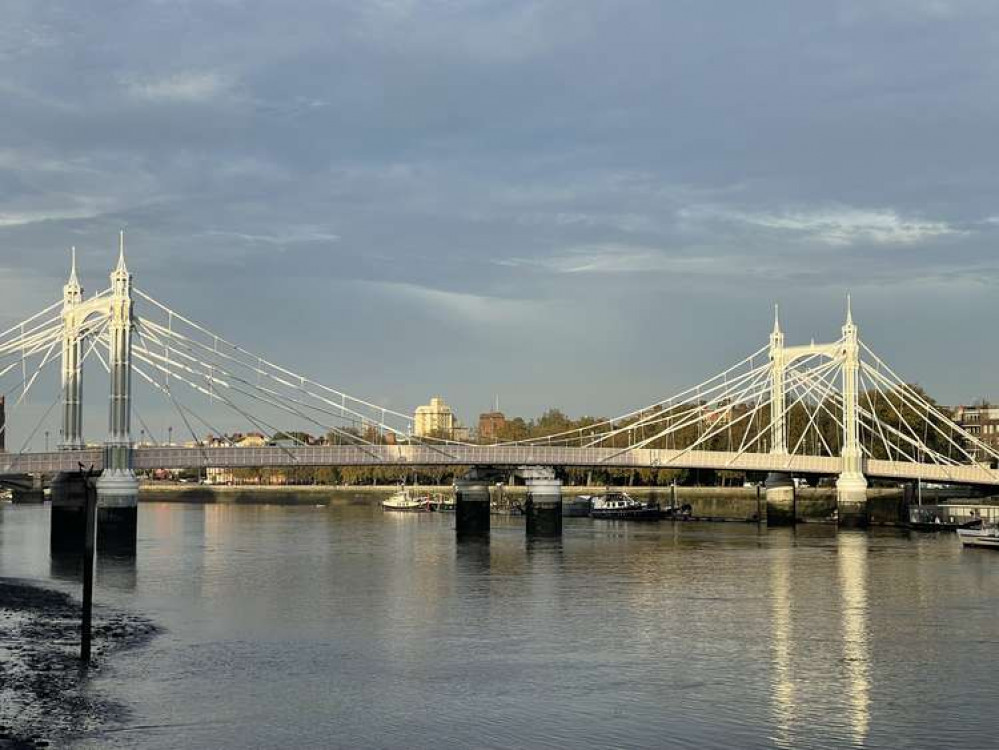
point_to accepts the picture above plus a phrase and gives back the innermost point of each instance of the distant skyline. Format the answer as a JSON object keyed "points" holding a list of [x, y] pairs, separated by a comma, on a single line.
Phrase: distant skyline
{"points": [[586, 206]]}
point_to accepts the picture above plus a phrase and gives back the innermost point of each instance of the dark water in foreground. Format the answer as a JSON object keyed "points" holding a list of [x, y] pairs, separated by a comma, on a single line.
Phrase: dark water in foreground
{"points": [[345, 627]]}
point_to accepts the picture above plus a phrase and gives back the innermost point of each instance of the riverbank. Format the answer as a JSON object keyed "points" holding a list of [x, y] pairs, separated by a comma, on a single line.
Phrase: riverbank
{"points": [[813, 504], [43, 690]]}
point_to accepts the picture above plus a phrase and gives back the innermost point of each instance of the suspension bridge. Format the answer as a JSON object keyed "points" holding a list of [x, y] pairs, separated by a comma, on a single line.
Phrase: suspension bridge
{"points": [[832, 408]]}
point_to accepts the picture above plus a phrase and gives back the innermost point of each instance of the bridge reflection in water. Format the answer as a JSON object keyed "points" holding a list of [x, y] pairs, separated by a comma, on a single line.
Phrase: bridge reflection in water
{"points": [[852, 572], [820, 669]]}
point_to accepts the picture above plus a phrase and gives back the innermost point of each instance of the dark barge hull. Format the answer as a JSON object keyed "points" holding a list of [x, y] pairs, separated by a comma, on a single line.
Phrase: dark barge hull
{"points": [[642, 514]]}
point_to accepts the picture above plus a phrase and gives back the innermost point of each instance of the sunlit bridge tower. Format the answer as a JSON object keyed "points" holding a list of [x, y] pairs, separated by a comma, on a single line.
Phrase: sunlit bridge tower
{"points": [[851, 487], [68, 498], [118, 488], [72, 365], [780, 485]]}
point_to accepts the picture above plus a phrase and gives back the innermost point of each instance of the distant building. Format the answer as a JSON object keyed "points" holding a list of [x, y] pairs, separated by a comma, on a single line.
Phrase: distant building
{"points": [[983, 423], [491, 424], [250, 440], [434, 419]]}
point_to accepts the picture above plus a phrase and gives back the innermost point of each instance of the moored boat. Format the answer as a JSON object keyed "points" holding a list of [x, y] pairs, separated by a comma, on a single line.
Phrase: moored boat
{"points": [[442, 503], [986, 536], [403, 500], [623, 506]]}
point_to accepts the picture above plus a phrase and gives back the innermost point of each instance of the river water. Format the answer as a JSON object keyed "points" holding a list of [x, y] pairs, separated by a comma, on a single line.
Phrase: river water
{"points": [[341, 626]]}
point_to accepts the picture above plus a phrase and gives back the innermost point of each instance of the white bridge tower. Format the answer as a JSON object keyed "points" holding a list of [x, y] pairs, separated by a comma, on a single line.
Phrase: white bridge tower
{"points": [[118, 488], [851, 486]]}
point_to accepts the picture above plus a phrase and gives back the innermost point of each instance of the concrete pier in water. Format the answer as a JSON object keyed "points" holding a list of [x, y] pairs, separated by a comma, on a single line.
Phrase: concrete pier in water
{"points": [[543, 507], [471, 507], [69, 513], [780, 499]]}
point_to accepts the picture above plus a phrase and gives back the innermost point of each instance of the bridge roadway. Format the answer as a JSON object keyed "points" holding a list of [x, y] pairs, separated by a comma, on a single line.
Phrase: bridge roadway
{"points": [[485, 455]]}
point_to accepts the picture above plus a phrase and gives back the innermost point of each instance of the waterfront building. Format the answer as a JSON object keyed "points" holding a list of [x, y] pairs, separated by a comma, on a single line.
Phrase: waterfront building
{"points": [[491, 424], [435, 419], [982, 422]]}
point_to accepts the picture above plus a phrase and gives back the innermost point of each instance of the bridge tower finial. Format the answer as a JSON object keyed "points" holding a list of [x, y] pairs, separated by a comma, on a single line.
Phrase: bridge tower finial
{"points": [[776, 317], [72, 267], [72, 292], [849, 310], [121, 267]]}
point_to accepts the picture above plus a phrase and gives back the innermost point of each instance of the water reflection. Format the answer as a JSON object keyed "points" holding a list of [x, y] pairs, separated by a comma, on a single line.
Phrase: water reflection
{"points": [[116, 571], [784, 694], [852, 570]]}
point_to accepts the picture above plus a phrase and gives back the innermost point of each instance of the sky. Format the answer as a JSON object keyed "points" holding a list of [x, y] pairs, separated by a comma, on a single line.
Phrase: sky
{"points": [[584, 205]]}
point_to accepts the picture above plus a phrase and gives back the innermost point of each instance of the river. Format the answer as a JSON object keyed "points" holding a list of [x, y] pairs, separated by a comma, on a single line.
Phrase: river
{"points": [[341, 626]]}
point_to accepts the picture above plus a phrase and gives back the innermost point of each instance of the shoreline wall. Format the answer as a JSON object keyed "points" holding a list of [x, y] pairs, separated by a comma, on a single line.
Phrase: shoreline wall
{"points": [[813, 504]]}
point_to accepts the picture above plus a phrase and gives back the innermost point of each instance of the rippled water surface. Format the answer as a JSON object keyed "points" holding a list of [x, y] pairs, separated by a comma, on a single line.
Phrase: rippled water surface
{"points": [[341, 626]]}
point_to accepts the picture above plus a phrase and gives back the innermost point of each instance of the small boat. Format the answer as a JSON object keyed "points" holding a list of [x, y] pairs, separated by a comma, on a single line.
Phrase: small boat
{"points": [[404, 501], [442, 504], [623, 506], [986, 536]]}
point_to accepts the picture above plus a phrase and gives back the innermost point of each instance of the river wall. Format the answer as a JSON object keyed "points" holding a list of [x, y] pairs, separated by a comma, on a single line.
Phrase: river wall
{"points": [[812, 504]]}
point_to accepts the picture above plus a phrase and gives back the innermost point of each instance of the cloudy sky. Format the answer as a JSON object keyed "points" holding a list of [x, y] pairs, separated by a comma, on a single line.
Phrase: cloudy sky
{"points": [[577, 204]]}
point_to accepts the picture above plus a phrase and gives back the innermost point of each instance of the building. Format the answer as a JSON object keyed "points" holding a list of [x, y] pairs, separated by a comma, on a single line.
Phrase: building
{"points": [[982, 422], [434, 420], [491, 424]]}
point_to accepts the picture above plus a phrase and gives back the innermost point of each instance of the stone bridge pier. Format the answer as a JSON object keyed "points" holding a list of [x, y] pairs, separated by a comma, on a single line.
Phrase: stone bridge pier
{"points": [[542, 509]]}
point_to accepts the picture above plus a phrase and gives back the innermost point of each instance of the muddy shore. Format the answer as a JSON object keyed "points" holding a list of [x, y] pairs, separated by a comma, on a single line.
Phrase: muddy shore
{"points": [[44, 694]]}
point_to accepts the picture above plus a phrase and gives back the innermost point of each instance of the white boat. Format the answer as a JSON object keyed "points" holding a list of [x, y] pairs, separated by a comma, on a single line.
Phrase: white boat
{"points": [[986, 536], [403, 500]]}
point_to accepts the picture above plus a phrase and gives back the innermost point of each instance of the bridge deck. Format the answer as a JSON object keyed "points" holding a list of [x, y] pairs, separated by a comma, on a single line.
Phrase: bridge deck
{"points": [[484, 455]]}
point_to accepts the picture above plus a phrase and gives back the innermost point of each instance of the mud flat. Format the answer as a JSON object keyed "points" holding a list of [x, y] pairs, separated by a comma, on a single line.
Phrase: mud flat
{"points": [[44, 698]]}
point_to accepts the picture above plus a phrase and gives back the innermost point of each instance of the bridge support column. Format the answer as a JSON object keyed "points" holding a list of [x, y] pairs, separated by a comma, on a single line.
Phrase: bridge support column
{"points": [[118, 488], [851, 500], [543, 508], [851, 487], [781, 509], [471, 507]]}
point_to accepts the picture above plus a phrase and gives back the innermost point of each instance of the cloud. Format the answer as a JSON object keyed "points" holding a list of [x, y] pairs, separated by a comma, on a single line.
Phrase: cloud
{"points": [[190, 86], [462, 307], [83, 209], [618, 259], [290, 235], [837, 226]]}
